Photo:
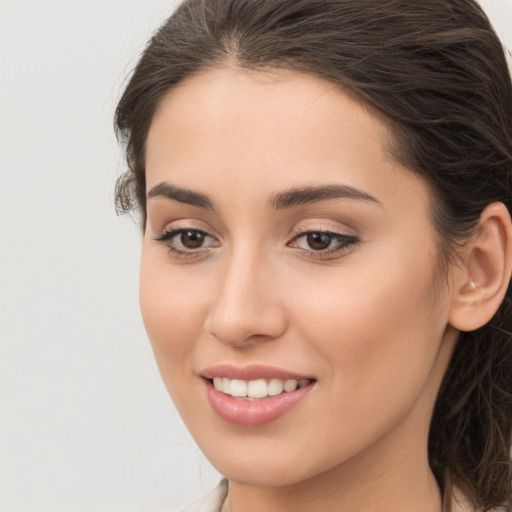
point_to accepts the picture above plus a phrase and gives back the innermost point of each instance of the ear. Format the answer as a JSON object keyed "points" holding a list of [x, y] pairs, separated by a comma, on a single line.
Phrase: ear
{"points": [[482, 282]]}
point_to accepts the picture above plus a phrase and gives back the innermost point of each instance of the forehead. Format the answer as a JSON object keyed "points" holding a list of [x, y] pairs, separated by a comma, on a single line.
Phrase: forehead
{"points": [[269, 130], [275, 106]]}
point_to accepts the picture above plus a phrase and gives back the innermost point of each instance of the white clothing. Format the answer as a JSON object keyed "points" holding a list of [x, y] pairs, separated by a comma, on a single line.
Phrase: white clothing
{"points": [[212, 502]]}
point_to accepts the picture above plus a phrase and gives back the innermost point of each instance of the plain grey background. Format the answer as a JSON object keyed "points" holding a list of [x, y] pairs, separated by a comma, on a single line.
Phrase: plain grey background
{"points": [[85, 422]]}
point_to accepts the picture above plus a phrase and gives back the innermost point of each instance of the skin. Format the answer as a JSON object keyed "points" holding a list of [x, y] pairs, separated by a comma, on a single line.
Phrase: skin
{"points": [[369, 322]]}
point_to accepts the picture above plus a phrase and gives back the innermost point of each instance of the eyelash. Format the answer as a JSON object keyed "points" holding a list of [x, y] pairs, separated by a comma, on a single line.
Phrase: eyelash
{"points": [[167, 237], [343, 242]]}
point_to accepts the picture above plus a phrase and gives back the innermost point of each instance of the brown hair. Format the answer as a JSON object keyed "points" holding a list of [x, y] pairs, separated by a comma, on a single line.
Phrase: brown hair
{"points": [[435, 70]]}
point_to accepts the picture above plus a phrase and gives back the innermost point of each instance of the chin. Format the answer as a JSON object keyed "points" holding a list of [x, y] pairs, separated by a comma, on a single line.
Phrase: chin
{"points": [[262, 474], [271, 462]]}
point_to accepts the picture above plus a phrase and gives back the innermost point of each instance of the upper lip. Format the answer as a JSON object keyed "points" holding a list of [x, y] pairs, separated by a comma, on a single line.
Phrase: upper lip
{"points": [[250, 372]]}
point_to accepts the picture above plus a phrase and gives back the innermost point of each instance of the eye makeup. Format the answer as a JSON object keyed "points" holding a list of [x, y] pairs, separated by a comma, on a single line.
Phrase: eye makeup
{"points": [[314, 243]]}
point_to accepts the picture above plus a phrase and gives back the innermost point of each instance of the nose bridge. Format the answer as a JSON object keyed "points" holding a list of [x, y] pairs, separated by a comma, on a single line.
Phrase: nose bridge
{"points": [[245, 304]]}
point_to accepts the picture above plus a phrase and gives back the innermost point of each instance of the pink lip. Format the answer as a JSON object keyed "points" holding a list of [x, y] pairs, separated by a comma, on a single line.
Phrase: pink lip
{"points": [[251, 372], [250, 413]]}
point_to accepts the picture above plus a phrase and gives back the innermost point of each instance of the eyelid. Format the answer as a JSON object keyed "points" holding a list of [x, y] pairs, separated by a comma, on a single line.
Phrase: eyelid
{"points": [[184, 223], [345, 243], [342, 240], [169, 234], [172, 231], [323, 226]]}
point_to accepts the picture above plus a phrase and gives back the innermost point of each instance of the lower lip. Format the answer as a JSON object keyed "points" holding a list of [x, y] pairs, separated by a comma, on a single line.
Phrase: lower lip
{"points": [[250, 413]]}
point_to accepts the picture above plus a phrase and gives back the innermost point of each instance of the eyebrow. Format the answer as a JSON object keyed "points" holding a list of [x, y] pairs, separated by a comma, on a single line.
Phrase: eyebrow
{"points": [[307, 195], [183, 195], [280, 201]]}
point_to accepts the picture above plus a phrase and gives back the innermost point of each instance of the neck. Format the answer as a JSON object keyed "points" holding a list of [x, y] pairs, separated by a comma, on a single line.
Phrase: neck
{"points": [[370, 496], [384, 478]]}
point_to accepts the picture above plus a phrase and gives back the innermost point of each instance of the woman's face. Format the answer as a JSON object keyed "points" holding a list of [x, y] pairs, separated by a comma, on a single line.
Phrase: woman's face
{"points": [[284, 244]]}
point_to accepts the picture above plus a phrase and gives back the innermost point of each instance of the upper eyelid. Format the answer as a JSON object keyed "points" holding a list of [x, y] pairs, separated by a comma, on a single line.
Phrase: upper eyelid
{"points": [[297, 231], [350, 239], [187, 224], [335, 234], [333, 231], [328, 230], [293, 234], [173, 232]]}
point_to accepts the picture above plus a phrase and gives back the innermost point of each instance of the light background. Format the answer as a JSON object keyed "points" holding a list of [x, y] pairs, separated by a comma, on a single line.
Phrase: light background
{"points": [[85, 422]]}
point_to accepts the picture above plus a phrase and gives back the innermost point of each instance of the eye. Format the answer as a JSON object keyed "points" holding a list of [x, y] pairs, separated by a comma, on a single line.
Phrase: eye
{"points": [[186, 241], [323, 243], [319, 241], [192, 239]]}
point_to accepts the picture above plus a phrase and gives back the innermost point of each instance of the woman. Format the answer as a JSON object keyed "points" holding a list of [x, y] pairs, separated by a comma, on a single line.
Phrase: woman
{"points": [[325, 192]]}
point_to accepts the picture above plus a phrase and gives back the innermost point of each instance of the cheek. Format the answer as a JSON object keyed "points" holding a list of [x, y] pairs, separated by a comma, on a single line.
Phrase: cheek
{"points": [[376, 327], [172, 310]]}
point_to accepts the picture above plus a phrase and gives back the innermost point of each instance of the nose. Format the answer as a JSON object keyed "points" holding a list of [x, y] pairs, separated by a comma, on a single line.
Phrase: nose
{"points": [[246, 305]]}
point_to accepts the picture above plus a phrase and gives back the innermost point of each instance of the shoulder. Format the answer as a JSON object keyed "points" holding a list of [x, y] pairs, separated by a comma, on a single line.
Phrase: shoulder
{"points": [[211, 502]]}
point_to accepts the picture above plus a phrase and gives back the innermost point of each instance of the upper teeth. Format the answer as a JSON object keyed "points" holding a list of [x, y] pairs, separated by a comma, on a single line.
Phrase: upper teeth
{"points": [[259, 388]]}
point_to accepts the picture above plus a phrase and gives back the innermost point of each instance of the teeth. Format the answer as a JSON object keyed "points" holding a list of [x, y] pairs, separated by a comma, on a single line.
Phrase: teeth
{"points": [[290, 385], [237, 388], [275, 387], [303, 383], [217, 383], [259, 388]]}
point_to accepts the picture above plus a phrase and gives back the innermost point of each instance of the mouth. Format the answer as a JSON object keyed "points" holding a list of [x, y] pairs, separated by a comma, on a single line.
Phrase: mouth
{"points": [[254, 395], [258, 388]]}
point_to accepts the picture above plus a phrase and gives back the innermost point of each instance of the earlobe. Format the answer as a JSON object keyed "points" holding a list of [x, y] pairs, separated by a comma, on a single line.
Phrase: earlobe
{"points": [[481, 286]]}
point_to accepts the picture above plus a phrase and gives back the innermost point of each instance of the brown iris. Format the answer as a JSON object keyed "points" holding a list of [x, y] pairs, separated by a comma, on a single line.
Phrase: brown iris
{"points": [[192, 239], [319, 241]]}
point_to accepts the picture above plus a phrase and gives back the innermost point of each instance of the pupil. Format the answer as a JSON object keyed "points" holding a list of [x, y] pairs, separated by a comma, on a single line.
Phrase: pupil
{"points": [[318, 241], [192, 239]]}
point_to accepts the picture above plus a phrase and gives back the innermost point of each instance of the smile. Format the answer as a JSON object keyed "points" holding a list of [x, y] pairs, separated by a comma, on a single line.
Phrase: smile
{"points": [[254, 395], [257, 389]]}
